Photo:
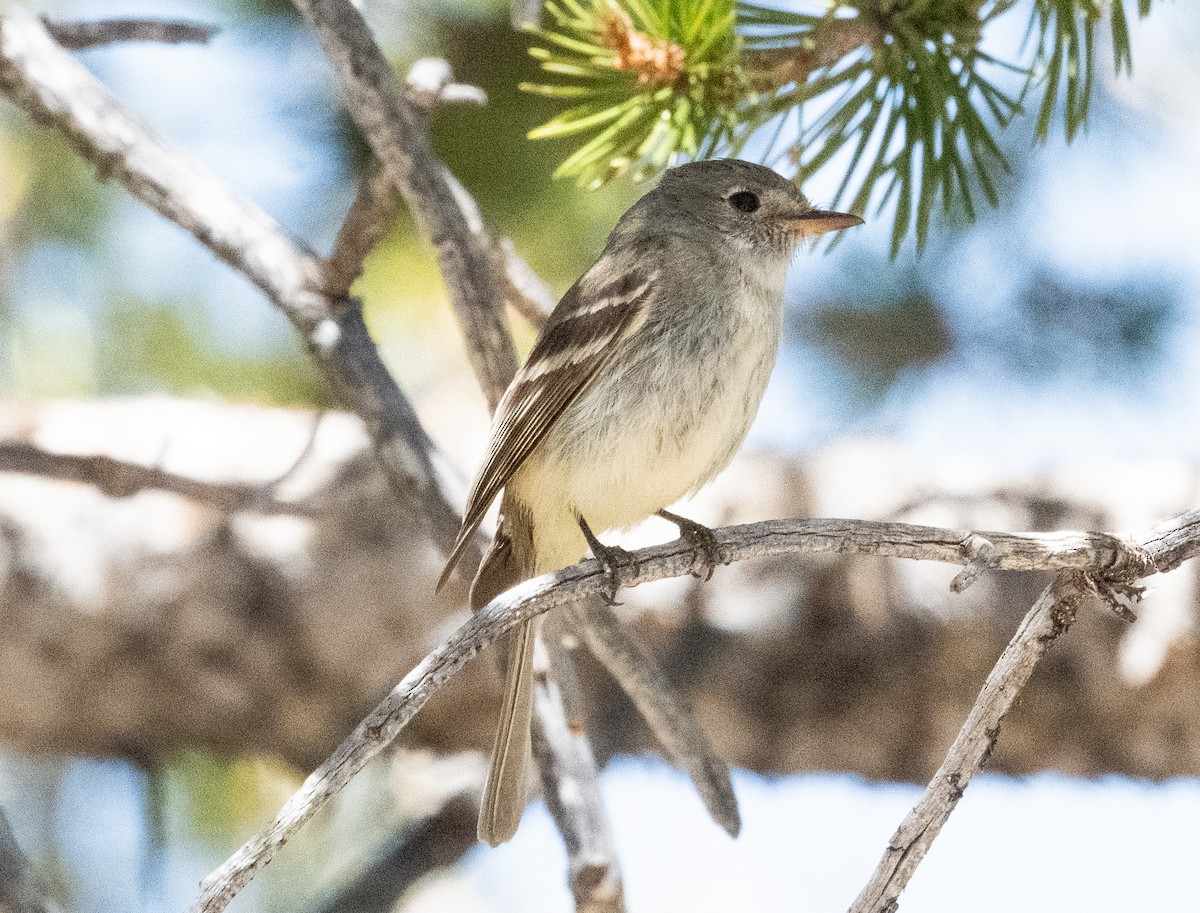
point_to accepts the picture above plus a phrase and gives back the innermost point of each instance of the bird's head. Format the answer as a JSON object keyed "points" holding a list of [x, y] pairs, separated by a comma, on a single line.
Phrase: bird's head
{"points": [[745, 204]]}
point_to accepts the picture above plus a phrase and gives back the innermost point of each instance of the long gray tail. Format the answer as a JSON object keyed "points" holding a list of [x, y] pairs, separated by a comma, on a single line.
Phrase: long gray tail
{"points": [[504, 795]]}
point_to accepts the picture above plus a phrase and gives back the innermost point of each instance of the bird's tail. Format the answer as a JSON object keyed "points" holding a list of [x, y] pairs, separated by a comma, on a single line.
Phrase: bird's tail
{"points": [[507, 563]]}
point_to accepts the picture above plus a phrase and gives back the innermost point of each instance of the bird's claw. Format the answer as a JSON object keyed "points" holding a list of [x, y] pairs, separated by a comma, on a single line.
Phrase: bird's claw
{"points": [[615, 561], [705, 548], [612, 558]]}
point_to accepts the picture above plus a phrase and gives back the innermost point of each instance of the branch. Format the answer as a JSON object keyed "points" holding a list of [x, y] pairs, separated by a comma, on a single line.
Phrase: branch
{"points": [[430, 83], [1101, 555], [670, 719], [368, 220], [528, 294], [1051, 616], [468, 257], [122, 479], [77, 36], [832, 39], [18, 890], [571, 783], [54, 89]]}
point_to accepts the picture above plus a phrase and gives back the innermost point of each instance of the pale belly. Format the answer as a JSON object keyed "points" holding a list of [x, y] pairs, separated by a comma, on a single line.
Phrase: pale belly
{"points": [[641, 442]]}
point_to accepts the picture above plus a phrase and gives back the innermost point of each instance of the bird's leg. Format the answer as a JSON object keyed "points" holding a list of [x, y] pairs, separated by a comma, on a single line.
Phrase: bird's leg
{"points": [[702, 539], [613, 557]]}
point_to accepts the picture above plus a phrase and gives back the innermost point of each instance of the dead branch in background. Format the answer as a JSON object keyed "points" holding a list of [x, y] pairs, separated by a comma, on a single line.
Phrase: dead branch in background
{"points": [[78, 36], [85, 580], [434, 843], [1111, 561], [123, 479], [369, 218], [450, 787], [376, 204]]}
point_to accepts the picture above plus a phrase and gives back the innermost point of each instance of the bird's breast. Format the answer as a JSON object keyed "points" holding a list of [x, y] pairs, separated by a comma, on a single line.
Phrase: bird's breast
{"points": [[665, 416]]}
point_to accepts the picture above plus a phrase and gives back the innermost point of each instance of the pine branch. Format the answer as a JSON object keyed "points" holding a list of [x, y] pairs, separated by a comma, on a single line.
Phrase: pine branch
{"points": [[902, 89]]}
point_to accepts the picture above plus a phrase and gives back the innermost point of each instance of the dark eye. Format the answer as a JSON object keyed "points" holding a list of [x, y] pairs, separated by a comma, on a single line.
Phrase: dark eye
{"points": [[744, 201]]}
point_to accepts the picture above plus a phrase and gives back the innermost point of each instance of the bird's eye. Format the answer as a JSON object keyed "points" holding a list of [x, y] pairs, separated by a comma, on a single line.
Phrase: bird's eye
{"points": [[744, 201]]}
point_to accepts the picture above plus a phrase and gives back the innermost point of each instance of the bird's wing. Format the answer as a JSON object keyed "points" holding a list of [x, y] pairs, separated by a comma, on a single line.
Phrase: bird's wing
{"points": [[578, 340]]}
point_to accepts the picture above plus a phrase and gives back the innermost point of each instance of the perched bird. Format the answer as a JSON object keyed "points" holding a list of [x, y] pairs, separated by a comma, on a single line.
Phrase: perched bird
{"points": [[639, 390]]}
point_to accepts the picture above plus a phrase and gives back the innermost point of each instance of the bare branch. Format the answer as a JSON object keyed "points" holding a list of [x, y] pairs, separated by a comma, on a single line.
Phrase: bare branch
{"points": [[571, 785], [371, 215], [430, 83], [672, 721], [1100, 555], [528, 294], [122, 479], [55, 89], [18, 891], [481, 273], [469, 259], [77, 36], [981, 551], [1050, 618]]}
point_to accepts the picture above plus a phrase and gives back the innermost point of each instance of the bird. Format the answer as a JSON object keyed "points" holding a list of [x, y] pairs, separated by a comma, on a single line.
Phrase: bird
{"points": [[639, 390]]}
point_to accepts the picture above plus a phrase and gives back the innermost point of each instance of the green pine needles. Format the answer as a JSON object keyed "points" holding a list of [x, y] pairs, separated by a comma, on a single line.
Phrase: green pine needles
{"points": [[653, 80], [898, 95]]}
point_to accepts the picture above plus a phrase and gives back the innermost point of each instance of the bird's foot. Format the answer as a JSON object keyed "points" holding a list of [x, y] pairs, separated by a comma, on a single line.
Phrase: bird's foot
{"points": [[614, 559], [702, 540]]}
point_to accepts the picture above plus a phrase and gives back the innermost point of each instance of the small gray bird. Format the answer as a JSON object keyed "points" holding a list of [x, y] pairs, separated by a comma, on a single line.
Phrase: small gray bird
{"points": [[640, 389]]}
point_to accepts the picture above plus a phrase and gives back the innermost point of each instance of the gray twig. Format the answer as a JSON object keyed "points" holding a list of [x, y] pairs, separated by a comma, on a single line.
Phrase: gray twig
{"points": [[430, 83], [571, 785], [980, 551], [1050, 618], [19, 892], [77, 36], [40, 77], [669, 717], [1100, 555], [371, 215], [527, 293]]}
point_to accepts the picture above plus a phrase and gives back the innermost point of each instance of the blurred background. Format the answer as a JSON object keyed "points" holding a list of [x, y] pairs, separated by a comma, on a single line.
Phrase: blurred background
{"points": [[1036, 369]]}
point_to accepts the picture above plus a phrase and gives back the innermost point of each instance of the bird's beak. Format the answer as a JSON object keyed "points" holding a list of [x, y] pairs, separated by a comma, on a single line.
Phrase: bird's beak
{"points": [[818, 221]]}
